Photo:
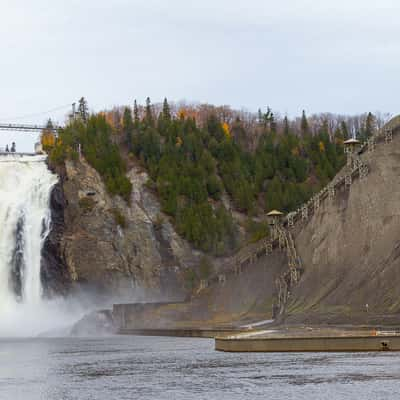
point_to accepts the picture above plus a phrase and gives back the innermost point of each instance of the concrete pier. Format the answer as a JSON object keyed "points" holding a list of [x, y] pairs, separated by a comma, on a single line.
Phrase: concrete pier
{"points": [[308, 344]]}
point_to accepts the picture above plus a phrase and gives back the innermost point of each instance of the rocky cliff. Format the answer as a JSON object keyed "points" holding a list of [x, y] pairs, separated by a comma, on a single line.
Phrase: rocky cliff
{"points": [[55, 276], [127, 251]]}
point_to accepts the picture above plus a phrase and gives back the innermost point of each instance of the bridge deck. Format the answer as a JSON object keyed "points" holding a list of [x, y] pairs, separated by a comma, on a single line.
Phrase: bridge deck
{"points": [[27, 128], [15, 155]]}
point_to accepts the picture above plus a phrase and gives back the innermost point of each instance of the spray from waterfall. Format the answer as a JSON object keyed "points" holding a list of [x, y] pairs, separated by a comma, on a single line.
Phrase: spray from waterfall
{"points": [[25, 221]]}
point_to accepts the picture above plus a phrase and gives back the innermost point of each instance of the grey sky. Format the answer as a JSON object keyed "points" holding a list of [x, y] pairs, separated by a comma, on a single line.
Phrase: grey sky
{"points": [[339, 56]]}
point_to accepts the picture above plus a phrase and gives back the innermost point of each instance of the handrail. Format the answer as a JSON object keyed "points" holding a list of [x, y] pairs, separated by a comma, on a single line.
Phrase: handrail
{"points": [[27, 127]]}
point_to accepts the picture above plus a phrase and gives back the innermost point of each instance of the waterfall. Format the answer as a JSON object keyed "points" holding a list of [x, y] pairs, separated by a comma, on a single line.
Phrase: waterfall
{"points": [[25, 187]]}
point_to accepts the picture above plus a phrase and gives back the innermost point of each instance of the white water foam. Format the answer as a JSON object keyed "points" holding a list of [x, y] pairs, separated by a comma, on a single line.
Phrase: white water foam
{"points": [[25, 217]]}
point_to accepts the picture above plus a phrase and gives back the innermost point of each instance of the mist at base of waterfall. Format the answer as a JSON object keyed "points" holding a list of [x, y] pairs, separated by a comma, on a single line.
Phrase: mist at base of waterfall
{"points": [[49, 318], [25, 222]]}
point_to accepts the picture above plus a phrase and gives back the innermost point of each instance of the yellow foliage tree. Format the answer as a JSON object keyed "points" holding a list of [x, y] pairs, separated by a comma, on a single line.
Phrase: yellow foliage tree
{"points": [[47, 139], [227, 131], [182, 113], [179, 142], [321, 147]]}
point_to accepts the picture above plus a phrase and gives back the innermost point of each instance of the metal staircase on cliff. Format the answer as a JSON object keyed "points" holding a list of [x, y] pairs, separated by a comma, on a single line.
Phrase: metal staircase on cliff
{"points": [[292, 275]]}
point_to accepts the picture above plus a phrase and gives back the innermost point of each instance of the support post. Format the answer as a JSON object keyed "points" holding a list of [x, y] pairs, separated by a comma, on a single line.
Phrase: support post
{"points": [[331, 192], [282, 240], [304, 212], [290, 219], [363, 171], [316, 202], [388, 135], [371, 145]]}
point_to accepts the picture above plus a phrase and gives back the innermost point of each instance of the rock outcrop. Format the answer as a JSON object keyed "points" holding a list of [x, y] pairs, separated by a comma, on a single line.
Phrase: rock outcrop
{"points": [[120, 250], [55, 276]]}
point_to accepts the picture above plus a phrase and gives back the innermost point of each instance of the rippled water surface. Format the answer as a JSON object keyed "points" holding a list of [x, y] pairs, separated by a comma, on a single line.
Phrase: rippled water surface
{"points": [[170, 368]]}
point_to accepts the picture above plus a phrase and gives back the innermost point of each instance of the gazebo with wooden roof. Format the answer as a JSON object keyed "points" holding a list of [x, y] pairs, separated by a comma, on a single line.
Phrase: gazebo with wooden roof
{"points": [[350, 145], [274, 217]]}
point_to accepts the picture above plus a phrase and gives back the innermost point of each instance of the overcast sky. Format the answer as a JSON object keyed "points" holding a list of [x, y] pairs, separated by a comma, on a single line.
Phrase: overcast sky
{"points": [[340, 56]]}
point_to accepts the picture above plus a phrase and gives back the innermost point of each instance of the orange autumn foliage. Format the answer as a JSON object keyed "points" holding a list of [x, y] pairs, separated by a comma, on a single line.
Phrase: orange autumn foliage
{"points": [[227, 132], [48, 139], [179, 142], [295, 151], [182, 113]]}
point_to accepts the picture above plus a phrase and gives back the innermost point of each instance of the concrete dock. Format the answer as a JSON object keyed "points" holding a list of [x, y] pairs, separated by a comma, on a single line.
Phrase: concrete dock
{"points": [[280, 343]]}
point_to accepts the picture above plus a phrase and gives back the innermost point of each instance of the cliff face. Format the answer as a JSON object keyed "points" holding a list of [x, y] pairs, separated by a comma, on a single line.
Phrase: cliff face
{"points": [[350, 249], [55, 276], [120, 250]]}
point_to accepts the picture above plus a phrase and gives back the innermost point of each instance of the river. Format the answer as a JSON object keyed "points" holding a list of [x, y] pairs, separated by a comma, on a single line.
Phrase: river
{"points": [[129, 367]]}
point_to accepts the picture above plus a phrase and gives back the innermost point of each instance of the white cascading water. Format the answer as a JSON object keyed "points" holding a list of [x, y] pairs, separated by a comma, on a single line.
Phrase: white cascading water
{"points": [[25, 187], [25, 217]]}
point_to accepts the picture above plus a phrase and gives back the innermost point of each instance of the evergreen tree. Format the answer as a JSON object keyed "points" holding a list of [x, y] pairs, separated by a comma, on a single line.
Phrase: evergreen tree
{"points": [[83, 109], [149, 113], [166, 113], [136, 119], [345, 130], [266, 119], [49, 124], [286, 129], [369, 126], [305, 130], [127, 126], [272, 123]]}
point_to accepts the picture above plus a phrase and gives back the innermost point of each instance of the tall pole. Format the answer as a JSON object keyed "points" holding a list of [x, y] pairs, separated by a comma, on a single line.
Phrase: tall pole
{"points": [[73, 111]]}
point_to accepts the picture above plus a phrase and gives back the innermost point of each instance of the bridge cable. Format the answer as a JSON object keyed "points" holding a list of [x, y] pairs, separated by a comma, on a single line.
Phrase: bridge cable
{"points": [[36, 114]]}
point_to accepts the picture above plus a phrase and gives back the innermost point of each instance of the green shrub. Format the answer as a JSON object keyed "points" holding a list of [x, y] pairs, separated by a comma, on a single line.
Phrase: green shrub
{"points": [[99, 150]]}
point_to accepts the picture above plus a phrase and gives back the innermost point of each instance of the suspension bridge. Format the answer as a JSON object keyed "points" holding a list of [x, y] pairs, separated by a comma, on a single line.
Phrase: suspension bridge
{"points": [[32, 128], [28, 127]]}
